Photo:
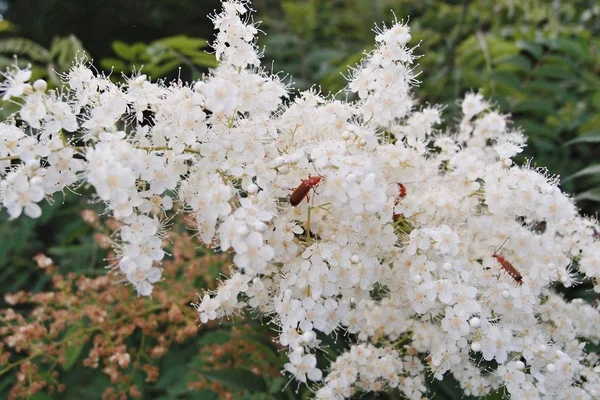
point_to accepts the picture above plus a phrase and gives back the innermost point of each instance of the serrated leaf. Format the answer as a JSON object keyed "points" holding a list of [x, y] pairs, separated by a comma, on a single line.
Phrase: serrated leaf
{"points": [[237, 378], [588, 137], [591, 170]]}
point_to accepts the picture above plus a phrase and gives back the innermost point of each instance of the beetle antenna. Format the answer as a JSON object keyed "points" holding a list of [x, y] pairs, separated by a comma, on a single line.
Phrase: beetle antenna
{"points": [[502, 245], [312, 162]]}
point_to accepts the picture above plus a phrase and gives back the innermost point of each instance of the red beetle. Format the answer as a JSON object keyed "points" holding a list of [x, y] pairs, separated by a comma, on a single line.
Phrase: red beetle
{"points": [[508, 267], [302, 190], [402, 194]]}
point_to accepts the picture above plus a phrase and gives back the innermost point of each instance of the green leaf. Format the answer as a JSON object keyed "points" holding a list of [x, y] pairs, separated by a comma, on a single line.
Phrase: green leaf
{"points": [[26, 47], [73, 349], [538, 107], [301, 17], [576, 48], [158, 70], [530, 47], [125, 51], [64, 50], [207, 394], [205, 60], [237, 378], [514, 63], [590, 195], [41, 396], [534, 129], [553, 72], [588, 137], [595, 100], [115, 64], [183, 42], [214, 337], [507, 79], [591, 170], [537, 87], [266, 349]]}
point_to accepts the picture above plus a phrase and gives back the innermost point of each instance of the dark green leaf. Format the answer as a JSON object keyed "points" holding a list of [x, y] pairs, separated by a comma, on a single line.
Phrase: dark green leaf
{"points": [[74, 346], [538, 107], [596, 101], [184, 42], [553, 72], [237, 378], [507, 79], [220, 336], [41, 396], [515, 62], [576, 48], [532, 48]]}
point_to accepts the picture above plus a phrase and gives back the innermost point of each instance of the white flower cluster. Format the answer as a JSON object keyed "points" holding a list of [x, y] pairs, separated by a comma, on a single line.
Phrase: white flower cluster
{"points": [[431, 248]]}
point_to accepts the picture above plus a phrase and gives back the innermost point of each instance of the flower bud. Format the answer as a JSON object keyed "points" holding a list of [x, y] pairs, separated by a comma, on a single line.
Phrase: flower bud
{"points": [[520, 365], [475, 322], [252, 189], [40, 85]]}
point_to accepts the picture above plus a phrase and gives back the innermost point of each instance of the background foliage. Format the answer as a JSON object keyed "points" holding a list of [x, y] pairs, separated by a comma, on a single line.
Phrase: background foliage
{"points": [[537, 60]]}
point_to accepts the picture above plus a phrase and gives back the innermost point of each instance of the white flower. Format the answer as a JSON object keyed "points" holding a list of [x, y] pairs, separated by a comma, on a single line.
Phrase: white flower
{"points": [[15, 83], [303, 366], [142, 280], [252, 253], [221, 96], [21, 194]]}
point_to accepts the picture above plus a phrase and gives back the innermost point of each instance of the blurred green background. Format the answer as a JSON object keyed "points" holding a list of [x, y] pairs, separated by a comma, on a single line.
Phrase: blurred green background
{"points": [[537, 60]]}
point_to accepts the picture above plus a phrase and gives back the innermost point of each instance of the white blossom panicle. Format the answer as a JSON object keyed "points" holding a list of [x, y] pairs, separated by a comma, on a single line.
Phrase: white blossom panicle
{"points": [[432, 248]]}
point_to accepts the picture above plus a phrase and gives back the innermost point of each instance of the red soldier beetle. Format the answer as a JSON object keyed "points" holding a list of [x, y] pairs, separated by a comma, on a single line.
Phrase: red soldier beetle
{"points": [[302, 190], [508, 267]]}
